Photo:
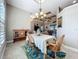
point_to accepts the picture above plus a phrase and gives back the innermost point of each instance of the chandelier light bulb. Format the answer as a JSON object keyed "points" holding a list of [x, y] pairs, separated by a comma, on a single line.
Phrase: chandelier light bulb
{"points": [[41, 13], [36, 14], [44, 15]]}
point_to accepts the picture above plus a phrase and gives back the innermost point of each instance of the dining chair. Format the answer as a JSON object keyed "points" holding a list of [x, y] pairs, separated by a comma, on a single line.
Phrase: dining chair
{"points": [[31, 40], [57, 46]]}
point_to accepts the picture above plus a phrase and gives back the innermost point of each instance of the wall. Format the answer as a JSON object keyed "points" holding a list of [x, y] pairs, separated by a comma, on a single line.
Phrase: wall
{"points": [[16, 19], [70, 25]]}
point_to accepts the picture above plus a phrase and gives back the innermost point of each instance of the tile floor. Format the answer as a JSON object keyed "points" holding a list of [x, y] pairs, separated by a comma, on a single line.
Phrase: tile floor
{"points": [[15, 51]]}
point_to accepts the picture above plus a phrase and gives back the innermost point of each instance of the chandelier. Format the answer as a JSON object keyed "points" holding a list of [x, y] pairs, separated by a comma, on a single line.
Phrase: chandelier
{"points": [[40, 15]]}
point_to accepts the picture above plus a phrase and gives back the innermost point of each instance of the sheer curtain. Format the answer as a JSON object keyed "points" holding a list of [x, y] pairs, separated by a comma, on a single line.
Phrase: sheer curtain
{"points": [[2, 22]]}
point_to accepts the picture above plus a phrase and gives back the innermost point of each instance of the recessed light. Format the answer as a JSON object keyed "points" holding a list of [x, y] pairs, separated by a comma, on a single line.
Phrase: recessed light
{"points": [[74, 1]]}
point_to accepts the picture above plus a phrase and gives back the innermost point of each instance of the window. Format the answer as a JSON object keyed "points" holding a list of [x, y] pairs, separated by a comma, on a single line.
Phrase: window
{"points": [[2, 22]]}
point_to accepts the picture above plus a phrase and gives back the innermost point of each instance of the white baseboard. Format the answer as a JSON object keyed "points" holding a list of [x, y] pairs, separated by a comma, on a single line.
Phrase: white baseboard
{"points": [[70, 48], [71, 53], [10, 41]]}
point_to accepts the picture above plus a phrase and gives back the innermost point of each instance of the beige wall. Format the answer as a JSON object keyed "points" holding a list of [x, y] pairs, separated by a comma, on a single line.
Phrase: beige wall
{"points": [[69, 25], [16, 19]]}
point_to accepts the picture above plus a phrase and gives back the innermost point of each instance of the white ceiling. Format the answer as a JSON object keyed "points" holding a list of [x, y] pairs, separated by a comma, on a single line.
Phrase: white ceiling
{"points": [[48, 5]]}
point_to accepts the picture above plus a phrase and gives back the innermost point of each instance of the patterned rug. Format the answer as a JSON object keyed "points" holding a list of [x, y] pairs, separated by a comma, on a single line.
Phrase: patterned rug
{"points": [[33, 52]]}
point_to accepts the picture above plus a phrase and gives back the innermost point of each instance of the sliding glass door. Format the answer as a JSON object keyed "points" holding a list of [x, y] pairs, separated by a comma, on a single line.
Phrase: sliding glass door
{"points": [[2, 22]]}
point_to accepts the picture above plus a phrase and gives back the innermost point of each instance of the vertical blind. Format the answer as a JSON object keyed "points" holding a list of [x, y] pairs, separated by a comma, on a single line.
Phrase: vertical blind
{"points": [[2, 22]]}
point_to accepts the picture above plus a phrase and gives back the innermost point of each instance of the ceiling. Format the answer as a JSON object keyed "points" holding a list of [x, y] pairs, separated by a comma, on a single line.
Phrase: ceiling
{"points": [[48, 5]]}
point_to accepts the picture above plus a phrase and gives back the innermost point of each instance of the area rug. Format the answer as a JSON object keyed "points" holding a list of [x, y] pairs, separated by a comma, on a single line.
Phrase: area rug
{"points": [[34, 53]]}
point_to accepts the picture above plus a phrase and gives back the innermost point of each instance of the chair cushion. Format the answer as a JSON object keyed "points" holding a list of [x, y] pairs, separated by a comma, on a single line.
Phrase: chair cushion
{"points": [[60, 54], [51, 53]]}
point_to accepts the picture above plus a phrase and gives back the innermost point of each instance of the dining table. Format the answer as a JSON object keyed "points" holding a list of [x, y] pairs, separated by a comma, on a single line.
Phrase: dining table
{"points": [[41, 41]]}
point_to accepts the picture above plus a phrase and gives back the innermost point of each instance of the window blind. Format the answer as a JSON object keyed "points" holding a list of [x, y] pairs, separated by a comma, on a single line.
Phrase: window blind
{"points": [[2, 22]]}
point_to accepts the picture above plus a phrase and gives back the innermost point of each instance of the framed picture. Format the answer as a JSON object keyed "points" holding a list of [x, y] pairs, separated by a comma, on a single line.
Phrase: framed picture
{"points": [[60, 22]]}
